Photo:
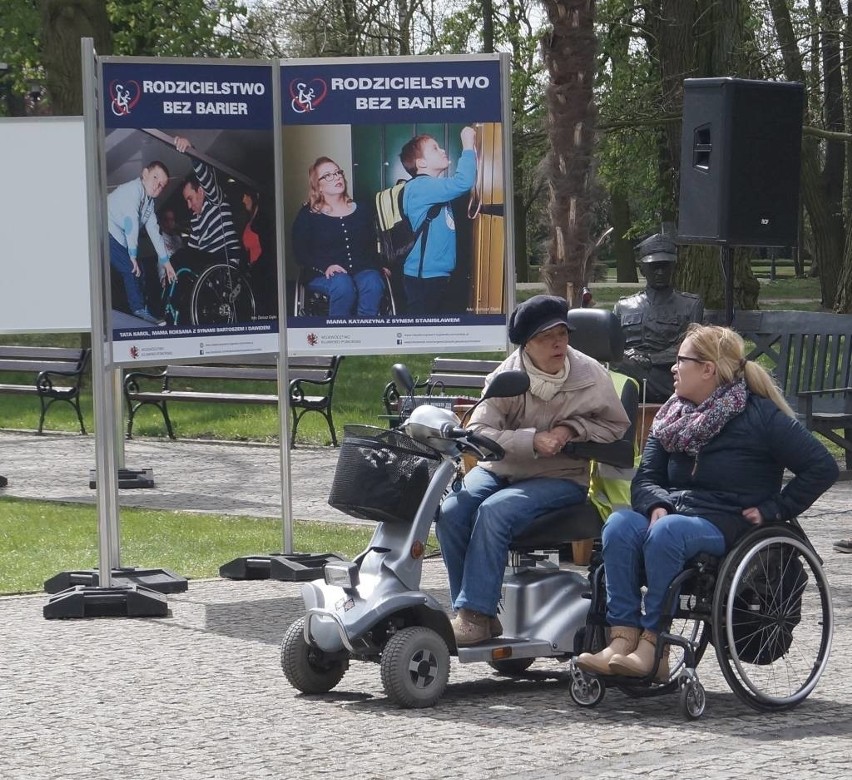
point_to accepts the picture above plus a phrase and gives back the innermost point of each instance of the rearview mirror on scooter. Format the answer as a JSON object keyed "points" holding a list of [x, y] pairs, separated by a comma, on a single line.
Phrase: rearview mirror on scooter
{"points": [[507, 384], [402, 378]]}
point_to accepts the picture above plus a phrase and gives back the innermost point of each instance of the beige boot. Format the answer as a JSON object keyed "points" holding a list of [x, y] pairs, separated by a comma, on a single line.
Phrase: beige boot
{"points": [[471, 628], [640, 662], [622, 639]]}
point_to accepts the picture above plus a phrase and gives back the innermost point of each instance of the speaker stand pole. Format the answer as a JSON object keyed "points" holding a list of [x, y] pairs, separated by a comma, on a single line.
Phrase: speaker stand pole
{"points": [[726, 255]]}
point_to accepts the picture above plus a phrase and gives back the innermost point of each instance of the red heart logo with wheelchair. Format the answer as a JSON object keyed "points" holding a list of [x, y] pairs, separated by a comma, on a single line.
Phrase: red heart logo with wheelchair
{"points": [[305, 96], [124, 95]]}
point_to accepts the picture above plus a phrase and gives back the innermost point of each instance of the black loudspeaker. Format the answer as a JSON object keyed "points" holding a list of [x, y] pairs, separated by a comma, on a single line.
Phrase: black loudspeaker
{"points": [[740, 162]]}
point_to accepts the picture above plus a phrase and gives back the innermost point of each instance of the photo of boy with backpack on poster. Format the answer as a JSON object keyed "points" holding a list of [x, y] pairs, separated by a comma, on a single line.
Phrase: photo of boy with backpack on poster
{"points": [[426, 214]]}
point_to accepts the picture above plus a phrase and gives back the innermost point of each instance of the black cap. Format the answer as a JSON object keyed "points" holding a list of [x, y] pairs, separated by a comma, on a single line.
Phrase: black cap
{"points": [[536, 315], [658, 248]]}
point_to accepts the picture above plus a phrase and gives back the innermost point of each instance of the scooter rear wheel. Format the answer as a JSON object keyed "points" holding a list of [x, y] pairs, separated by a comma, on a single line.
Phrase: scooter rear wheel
{"points": [[415, 667], [512, 667], [307, 668]]}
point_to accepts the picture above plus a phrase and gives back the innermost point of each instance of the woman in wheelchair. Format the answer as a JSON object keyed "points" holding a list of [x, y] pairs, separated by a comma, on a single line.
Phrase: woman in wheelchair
{"points": [[334, 239], [712, 469]]}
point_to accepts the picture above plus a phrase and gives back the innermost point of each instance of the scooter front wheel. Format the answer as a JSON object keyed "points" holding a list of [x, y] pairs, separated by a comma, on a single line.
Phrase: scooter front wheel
{"points": [[415, 667], [308, 668]]}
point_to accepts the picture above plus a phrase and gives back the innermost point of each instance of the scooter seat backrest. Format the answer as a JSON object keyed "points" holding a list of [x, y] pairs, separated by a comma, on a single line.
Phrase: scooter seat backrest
{"points": [[596, 333]]}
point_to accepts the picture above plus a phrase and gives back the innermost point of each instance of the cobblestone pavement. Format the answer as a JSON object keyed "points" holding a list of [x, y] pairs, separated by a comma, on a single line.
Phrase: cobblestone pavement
{"points": [[199, 695]]}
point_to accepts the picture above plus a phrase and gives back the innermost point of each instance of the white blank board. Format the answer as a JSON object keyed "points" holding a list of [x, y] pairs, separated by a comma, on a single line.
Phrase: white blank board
{"points": [[44, 242]]}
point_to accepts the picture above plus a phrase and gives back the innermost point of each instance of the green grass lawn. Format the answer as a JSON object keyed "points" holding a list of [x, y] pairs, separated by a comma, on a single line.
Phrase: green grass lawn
{"points": [[39, 539]]}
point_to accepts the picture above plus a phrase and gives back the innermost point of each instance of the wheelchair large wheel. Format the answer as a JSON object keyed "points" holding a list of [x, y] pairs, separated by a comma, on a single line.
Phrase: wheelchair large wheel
{"points": [[772, 619], [222, 295]]}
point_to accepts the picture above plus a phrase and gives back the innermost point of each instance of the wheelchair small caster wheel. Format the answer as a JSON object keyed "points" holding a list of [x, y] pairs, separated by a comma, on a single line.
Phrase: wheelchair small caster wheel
{"points": [[692, 699], [587, 691]]}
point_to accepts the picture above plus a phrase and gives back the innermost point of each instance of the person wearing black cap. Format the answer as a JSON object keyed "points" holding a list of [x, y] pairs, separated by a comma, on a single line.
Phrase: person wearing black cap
{"points": [[655, 320], [571, 398]]}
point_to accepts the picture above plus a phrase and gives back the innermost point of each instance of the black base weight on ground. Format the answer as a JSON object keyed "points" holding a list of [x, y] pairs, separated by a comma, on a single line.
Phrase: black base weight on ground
{"points": [[295, 567], [89, 602], [159, 580], [127, 478]]}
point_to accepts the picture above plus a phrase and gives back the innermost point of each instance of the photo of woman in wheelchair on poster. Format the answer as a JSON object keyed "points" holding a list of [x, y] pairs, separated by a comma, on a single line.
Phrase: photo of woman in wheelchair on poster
{"points": [[191, 224]]}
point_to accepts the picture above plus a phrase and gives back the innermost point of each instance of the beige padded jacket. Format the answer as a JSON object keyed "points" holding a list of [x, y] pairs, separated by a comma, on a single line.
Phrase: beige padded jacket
{"points": [[587, 403]]}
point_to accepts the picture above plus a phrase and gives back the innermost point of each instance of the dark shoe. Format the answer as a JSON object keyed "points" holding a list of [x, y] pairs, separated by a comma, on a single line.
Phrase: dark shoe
{"points": [[844, 546], [471, 628], [144, 314]]}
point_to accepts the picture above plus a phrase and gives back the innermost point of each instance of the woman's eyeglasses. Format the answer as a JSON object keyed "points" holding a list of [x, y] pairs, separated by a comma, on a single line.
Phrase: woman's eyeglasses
{"points": [[331, 175], [681, 358]]}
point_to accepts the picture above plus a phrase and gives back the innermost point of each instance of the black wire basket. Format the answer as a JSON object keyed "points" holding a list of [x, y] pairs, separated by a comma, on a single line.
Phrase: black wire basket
{"points": [[381, 475]]}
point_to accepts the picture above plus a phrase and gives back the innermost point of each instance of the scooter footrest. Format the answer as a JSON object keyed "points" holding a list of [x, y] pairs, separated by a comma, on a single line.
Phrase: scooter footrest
{"points": [[509, 647]]}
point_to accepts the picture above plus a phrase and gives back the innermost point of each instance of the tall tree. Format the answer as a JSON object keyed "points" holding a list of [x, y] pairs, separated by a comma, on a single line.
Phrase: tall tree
{"points": [[63, 24], [569, 57], [823, 158], [698, 38]]}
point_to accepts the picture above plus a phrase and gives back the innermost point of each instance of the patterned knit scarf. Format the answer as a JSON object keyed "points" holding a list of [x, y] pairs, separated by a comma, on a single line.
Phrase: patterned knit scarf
{"points": [[681, 426]]}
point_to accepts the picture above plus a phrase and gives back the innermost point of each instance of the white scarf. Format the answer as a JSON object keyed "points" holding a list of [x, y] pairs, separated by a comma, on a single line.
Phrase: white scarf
{"points": [[542, 384]]}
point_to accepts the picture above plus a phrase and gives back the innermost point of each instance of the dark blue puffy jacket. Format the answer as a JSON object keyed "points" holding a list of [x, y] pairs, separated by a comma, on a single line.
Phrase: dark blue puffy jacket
{"points": [[742, 466]]}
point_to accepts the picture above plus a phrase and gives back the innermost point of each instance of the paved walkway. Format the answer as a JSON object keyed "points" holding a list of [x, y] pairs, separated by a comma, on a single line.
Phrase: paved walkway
{"points": [[192, 475], [199, 695]]}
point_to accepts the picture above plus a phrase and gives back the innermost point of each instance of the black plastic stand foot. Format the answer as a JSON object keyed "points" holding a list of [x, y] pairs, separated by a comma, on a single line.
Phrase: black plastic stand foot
{"points": [[159, 580], [89, 602], [127, 478], [296, 567]]}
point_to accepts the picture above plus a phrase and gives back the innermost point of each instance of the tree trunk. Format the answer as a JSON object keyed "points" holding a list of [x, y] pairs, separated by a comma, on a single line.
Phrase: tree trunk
{"points": [[569, 56], [822, 185], [64, 23]]}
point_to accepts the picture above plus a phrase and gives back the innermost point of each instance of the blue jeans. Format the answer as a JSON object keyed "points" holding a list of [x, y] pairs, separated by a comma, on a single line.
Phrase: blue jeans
{"points": [[477, 524], [359, 293], [119, 259], [631, 549]]}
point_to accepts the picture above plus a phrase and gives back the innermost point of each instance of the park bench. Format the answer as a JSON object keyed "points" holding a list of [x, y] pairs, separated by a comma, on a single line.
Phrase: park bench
{"points": [[452, 382], [54, 374], [810, 356], [311, 388]]}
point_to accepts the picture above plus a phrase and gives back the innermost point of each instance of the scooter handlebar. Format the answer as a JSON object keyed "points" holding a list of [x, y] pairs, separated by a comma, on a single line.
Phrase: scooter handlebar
{"points": [[483, 446]]}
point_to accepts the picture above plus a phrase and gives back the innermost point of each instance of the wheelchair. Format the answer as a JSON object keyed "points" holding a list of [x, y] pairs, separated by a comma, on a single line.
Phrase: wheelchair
{"points": [[310, 303], [765, 607], [218, 295]]}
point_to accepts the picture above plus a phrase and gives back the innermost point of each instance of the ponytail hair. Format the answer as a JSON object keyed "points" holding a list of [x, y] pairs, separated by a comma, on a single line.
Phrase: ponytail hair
{"points": [[726, 349]]}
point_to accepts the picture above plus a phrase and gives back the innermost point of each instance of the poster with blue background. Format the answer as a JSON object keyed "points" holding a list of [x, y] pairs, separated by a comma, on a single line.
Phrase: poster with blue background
{"points": [[352, 130], [189, 155]]}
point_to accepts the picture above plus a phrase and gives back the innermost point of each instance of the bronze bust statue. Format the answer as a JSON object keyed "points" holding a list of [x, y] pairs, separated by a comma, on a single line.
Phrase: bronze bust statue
{"points": [[655, 320]]}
